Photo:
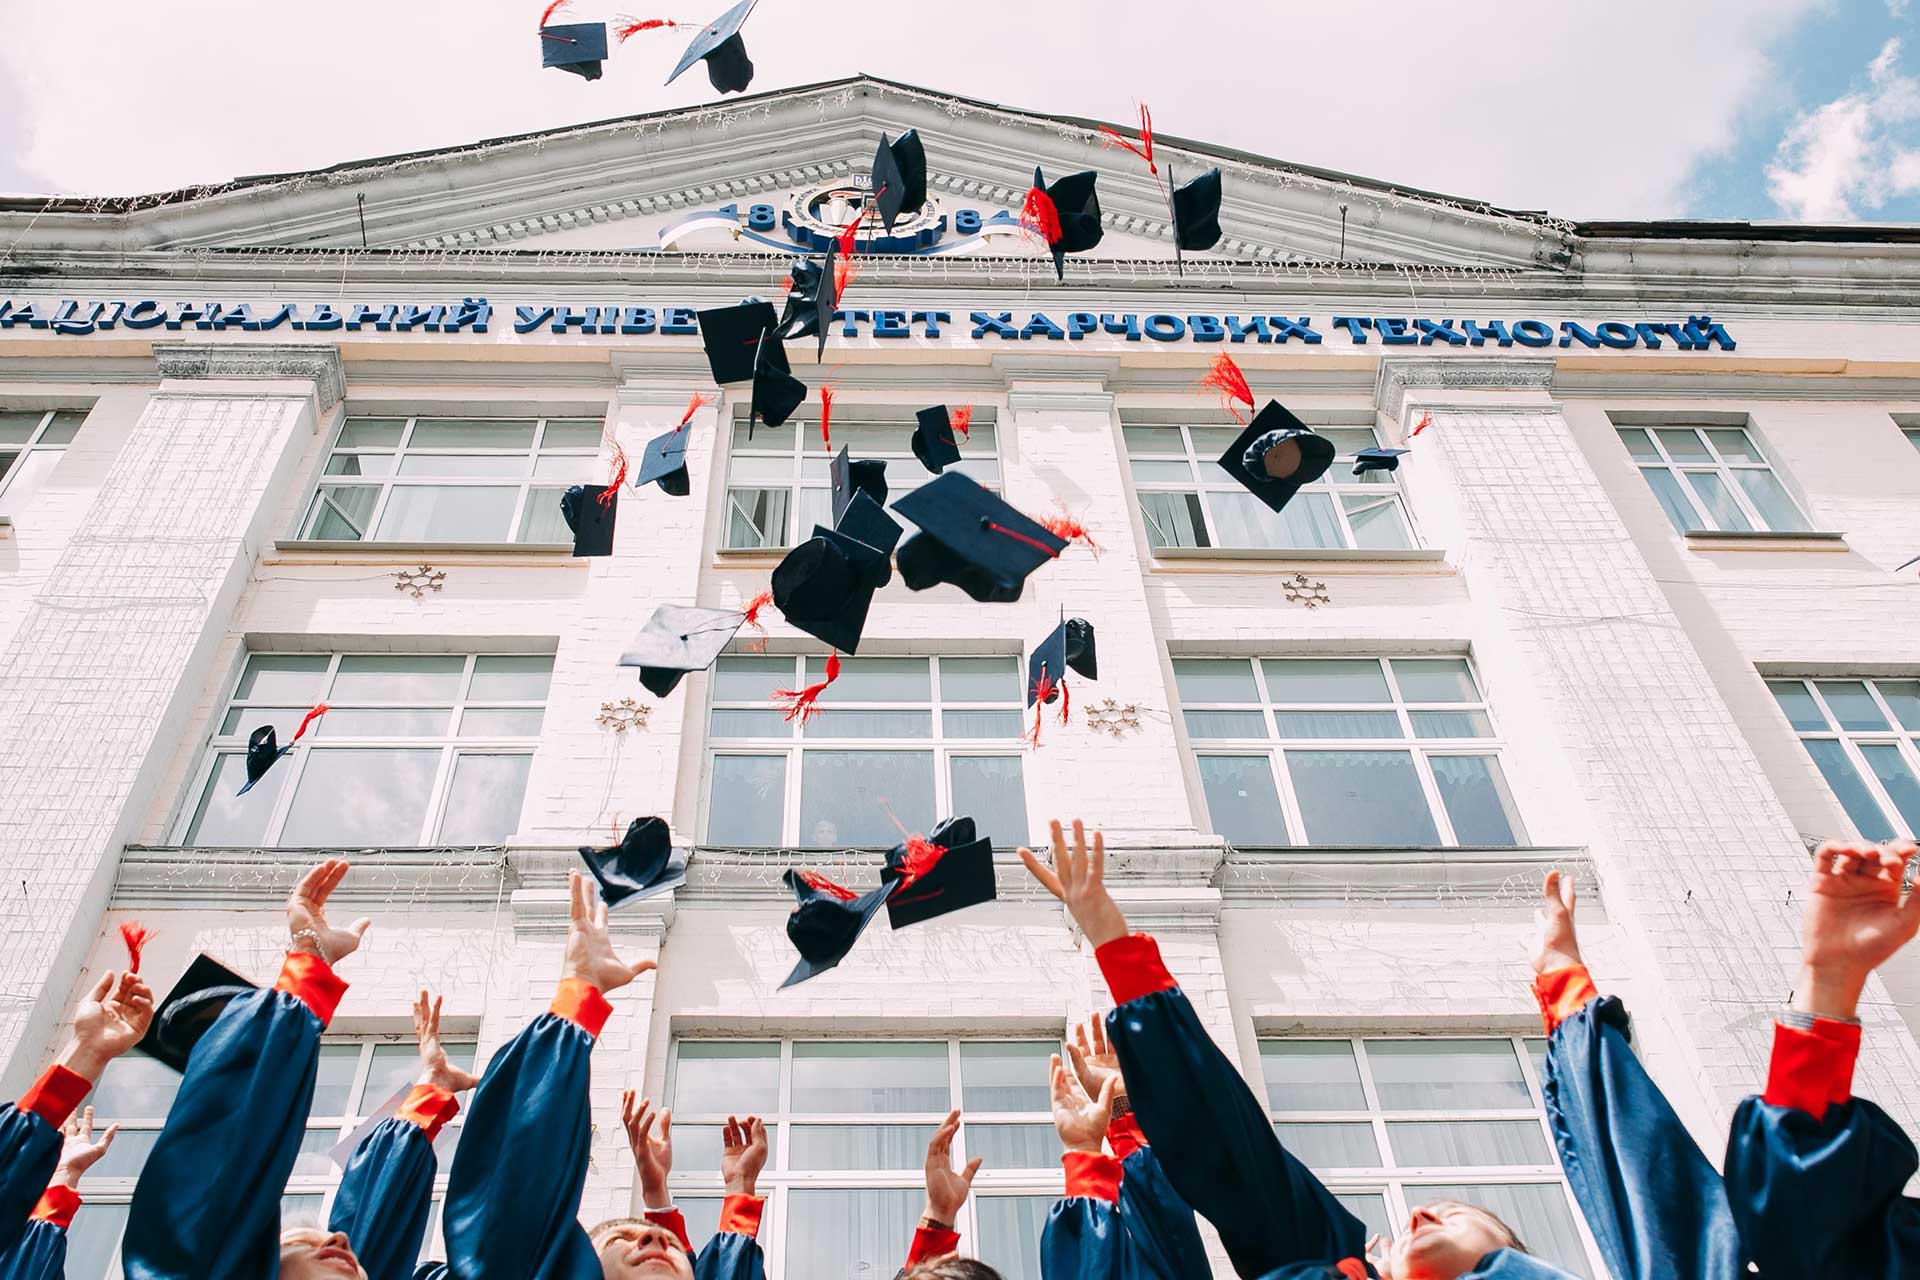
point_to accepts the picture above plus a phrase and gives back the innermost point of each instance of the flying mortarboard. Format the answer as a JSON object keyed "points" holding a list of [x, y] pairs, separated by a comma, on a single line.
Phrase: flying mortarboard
{"points": [[665, 462], [933, 441], [899, 176], [825, 586], [1277, 438], [934, 883], [189, 1010], [810, 301], [972, 539], [776, 392], [1068, 647], [1377, 460], [868, 522], [589, 511], [643, 864], [679, 639], [826, 921], [719, 43], [1196, 212], [264, 749], [579, 47], [851, 476], [1075, 215], [731, 336]]}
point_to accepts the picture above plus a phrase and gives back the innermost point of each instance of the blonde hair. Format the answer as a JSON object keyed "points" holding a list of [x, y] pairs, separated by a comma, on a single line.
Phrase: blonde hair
{"points": [[952, 1267], [1513, 1240]]}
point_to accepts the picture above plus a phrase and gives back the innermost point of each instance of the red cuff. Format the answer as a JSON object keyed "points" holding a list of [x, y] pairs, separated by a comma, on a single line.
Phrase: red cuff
{"points": [[740, 1215], [1133, 968], [1561, 993], [430, 1107], [673, 1220], [55, 1094], [930, 1243], [1094, 1174], [580, 1002], [58, 1204], [311, 981], [1124, 1136], [1812, 1070]]}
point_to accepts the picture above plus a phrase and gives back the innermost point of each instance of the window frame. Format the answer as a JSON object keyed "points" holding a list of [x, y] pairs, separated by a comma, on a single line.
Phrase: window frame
{"points": [[1904, 740], [36, 443], [1715, 463]]}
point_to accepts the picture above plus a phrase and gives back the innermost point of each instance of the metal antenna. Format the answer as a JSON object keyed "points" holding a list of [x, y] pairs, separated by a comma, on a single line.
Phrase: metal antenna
{"points": [[361, 196], [1343, 233]]}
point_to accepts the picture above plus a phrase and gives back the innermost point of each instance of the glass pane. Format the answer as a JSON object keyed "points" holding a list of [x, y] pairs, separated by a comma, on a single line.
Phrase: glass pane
{"points": [[1896, 779], [815, 509], [312, 1160], [730, 723], [128, 1154], [568, 468], [225, 817], [1005, 1075], [1242, 800], [475, 433], [993, 791], [1447, 1075], [851, 798], [697, 1148], [445, 465], [1716, 500], [1014, 1146], [1010, 1229], [859, 1146], [1242, 520], [511, 678], [747, 679], [573, 433], [1371, 1208], [702, 1214], [1769, 497], [1325, 680], [333, 1082], [1215, 680], [1683, 445], [746, 802], [979, 680], [379, 433], [1173, 520], [1153, 440], [1311, 1075], [1637, 443], [301, 1211], [1361, 798], [870, 724], [757, 517], [875, 680], [1378, 523], [1324, 1145], [283, 677], [1536, 1047], [382, 722], [749, 472], [395, 1065], [845, 1078], [241, 721], [541, 521], [1904, 697], [1226, 724], [1852, 793], [361, 797], [765, 439], [135, 1086], [18, 425], [1673, 499], [1451, 724], [93, 1237], [66, 423], [388, 677], [1435, 680], [360, 464], [1162, 472], [1444, 1143], [981, 724], [483, 804], [1735, 445], [1538, 1212], [28, 478], [1802, 711], [849, 1233], [1337, 724], [1474, 790], [1851, 704], [447, 513], [501, 722], [727, 1077]]}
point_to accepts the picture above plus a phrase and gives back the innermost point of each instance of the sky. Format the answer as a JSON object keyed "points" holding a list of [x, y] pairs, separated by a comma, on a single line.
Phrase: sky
{"points": [[1803, 110]]}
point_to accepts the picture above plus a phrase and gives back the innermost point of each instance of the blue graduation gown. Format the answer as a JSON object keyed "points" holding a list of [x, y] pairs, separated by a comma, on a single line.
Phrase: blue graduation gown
{"points": [[386, 1193], [1160, 1227], [39, 1254], [30, 1143], [1140, 1230]]}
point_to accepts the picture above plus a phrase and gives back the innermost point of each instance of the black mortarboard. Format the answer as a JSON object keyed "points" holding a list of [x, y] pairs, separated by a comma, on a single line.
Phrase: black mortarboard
{"points": [[776, 392], [719, 42], [827, 921], [590, 519], [190, 1009], [933, 441], [1377, 460], [731, 336], [810, 301], [1196, 211], [263, 748], [579, 47], [899, 176], [866, 475], [643, 864], [1078, 206], [959, 878], [1274, 428], [665, 461], [1068, 647], [1080, 655], [678, 639], [868, 522], [825, 586], [972, 539]]}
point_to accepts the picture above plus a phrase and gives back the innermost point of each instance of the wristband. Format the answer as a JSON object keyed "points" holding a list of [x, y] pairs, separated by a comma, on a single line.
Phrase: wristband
{"points": [[932, 1223], [313, 936]]}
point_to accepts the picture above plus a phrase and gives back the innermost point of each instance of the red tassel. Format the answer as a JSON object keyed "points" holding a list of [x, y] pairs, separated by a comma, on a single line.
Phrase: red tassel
{"points": [[823, 885], [557, 5], [845, 272], [1066, 700], [136, 936], [1426, 420], [650, 24], [1143, 149], [1040, 216], [826, 416], [921, 858], [752, 612], [1226, 378], [1065, 526], [1043, 689], [700, 399], [319, 709], [962, 420], [850, 235], [800, 702], [608, 494]]}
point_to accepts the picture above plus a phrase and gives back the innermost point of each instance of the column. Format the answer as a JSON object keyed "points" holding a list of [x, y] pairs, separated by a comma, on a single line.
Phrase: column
{"points": [[97, 686]]}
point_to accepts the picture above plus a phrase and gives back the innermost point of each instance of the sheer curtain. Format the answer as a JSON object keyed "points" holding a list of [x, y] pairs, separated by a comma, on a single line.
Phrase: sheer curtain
{"points": [[853, 1234], [1361, 798]]}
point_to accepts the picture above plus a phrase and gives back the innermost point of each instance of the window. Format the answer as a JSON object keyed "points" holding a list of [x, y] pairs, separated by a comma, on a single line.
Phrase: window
{"points": [[913, 739], [416, 749], [1215, 510], [848, 1124], [1713, 478], [1912, 434], [1392, 1124], [1864, 736], [356, 1076], [452, 479], [1346, 751], [31, 443], [779, 487]]}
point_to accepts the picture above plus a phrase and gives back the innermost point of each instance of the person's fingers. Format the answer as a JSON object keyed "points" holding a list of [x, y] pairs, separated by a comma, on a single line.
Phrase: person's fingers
{"points": [[973, 1167], [666, 1124], [101, 988], [1062, 864], [359, 928], [599, 914], [1080, 1038], [86, 1124], [1100, 1045], [1079, 1057], [1079, 852], [106, 1139], [730, 1133], [309, 886], [1048, 880], [626, 1107], [1107, 1088], [1550, 888], [1056, 1080], [1569, 891], [574, 911], [1100, 857], [437, 1002], [643, 1122], [643, 966], [1823, 857]]}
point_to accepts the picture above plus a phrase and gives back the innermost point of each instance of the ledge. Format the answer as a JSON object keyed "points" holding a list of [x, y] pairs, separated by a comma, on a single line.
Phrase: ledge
{"points": [[1758, 540], [447, 877], [734, 557], [388, 550], [1242, 559], [1322, 873]]}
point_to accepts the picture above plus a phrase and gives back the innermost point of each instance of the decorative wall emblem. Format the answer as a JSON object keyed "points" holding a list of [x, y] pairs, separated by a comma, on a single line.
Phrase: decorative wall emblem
{"points": [[624, 715], [817, 214], [1302, 590], [1115, 719], [419, 581]]}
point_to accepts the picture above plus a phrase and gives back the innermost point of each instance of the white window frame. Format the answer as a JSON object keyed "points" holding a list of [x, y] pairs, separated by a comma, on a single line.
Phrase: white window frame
{"points": [[1906, 741], [451, 745], [36, 443], [1207, 478], [532, 486], [1718, 464], [796, 740], [1421, 749]]}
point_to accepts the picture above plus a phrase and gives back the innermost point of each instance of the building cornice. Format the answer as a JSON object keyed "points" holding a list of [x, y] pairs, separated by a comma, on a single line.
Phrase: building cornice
{"points": [[1401, 375], [316, 362]]}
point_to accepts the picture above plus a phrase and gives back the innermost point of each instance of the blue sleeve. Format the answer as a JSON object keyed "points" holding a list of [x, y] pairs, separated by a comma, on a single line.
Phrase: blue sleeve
{"points": [[1657, 1207], [1162, 1236], [39, 1254], [728, 1256], [513, 1197], [386, 1198], [29, 1150], [208, 1199], [1510, 1264], [1083, 1240]]}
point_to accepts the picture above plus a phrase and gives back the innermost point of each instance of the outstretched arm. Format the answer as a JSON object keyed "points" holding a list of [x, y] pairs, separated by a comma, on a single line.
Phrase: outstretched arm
{"points": [[947, 1192], [734, 1252], [1083, 1238], [41, 1252]]}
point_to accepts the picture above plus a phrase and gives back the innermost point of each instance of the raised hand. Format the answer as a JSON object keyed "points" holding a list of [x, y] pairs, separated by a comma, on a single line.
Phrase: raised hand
{"points": [[307, 915], [1080, 1121], [1079, 880], [1555, 945], [1855, 921], [947, 1190], [1094, 1060], [80, 1152], [590, 954], [652, 1148], [435, 1067], [110, 1020], [743, 1154]]}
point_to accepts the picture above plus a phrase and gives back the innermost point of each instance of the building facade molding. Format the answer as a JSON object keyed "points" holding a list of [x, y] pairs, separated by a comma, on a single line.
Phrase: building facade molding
{"points": [[285, 361], [1400, 376]]}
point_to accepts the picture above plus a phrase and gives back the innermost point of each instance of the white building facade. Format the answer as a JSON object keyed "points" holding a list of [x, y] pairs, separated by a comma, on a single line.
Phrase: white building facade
{"points": [[1630, 606]]}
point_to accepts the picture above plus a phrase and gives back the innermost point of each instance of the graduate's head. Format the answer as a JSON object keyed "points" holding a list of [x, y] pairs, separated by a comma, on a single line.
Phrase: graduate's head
{"points": [[310, 1253], [1445, 1238], [636, 1249], [952, 1267]]}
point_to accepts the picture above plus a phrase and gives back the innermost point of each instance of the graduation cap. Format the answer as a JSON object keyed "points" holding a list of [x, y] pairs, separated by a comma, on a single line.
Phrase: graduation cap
{"points": [[811, 299], [899, 176], [264, 749], [972, 539], [868, 522], [665, 462], [643, 864], [1276, 440], [1068, 647], [1377, 460], [190, 1009], [719, 43], [825, 586], [949, 870], [851, 476], [679, 639], [1066, 214], [731, 336], [776, 392], [827, 920], [933, 441], [579, 47], [1196, 212], [589, 510]]}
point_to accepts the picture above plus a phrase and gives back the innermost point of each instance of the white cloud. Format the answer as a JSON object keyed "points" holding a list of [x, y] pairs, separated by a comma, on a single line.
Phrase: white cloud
{"points": [[1897, 8], [1854, 153]]}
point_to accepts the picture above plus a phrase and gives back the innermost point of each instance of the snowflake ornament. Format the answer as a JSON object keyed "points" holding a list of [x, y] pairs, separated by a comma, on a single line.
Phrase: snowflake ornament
{"points": [[419, 581]]}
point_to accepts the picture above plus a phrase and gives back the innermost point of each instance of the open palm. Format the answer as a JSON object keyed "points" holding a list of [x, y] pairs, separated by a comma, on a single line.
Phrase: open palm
{"points": [[1855, 918], [307, 914], [590, 953]]}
